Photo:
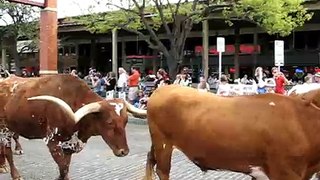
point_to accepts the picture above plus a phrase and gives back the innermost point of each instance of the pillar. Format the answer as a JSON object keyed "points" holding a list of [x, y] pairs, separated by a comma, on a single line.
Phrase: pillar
{"points": [[115, 51], [93, 53], [4, 58], [123, 55], [205, 44], [255, 53], [49, 39]]}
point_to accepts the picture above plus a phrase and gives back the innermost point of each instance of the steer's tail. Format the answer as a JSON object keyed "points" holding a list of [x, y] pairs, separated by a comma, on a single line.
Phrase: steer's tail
{"points": [[136, 112]]}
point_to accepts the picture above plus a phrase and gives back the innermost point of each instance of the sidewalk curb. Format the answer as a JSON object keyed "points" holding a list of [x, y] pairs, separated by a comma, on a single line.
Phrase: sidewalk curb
{"points": [[137, 121]]}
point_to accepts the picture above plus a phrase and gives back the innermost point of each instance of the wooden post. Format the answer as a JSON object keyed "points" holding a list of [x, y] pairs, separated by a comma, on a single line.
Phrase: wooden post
{"points": [[205, 44], [49, 39], [115, 52]]}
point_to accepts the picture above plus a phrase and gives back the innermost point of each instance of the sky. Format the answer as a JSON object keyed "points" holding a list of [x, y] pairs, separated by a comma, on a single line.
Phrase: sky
{"points": [[68, 8]]}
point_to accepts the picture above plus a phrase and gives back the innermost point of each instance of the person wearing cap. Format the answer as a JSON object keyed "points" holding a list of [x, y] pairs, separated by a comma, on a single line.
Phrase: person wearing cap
{"points": [[316, 77], [298, 76]]}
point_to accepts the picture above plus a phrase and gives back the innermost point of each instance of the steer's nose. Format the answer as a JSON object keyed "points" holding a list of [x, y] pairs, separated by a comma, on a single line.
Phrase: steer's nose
{"points": [[123, 152]]}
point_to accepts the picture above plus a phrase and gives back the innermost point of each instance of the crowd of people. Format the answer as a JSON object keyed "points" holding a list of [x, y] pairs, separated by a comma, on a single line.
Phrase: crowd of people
{"points": [[274, 82], [137, 88]]}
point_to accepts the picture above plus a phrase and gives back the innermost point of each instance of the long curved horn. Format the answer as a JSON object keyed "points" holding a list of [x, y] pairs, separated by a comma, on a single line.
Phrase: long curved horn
{"points": [[86, 109], [140, 113], [64, 106], [78, 115]]}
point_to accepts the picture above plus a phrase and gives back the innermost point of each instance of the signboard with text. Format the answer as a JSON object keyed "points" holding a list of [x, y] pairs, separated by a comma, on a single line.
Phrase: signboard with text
{"points": [[220, 44], [278, 53]]}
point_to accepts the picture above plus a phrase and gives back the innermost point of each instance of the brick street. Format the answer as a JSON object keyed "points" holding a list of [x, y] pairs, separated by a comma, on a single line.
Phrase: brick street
{"points": [[96, 162]]}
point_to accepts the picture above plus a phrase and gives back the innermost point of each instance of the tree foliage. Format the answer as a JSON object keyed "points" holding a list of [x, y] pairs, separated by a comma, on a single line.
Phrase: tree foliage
{"points": [[275, 16], [146, 17], [20, 22]]}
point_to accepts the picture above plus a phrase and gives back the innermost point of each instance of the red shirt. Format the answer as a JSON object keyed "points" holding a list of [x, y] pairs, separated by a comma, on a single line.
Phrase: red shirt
{"points": [[133, 80], [280, 82]]}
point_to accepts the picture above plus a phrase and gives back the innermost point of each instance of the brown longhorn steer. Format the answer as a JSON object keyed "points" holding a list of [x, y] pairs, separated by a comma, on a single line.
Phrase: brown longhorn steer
{"points": [[6, 87], [311, 96], [270, 133], [64, 111]]}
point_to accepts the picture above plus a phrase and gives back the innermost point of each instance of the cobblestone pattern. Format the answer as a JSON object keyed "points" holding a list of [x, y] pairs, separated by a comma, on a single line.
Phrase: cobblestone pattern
{"points": [[96, 162]]}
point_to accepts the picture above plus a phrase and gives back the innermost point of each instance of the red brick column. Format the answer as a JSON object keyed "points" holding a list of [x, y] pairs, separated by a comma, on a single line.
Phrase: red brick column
{"points": [[49, 39]]}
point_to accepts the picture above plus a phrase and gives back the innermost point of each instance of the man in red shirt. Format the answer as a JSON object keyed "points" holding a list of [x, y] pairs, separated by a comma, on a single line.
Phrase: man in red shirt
{"points": [[280, 80], [133, 83]]}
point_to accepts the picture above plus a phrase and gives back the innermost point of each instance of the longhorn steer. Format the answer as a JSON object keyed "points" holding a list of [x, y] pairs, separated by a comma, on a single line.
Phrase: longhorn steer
{"points": [[270, 133], [44, 108], [7, 86], [310, 94]]}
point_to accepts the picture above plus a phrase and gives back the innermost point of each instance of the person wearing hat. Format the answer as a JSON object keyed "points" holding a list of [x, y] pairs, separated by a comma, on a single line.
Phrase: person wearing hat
{"points": [[298, 76], [316, 77]]}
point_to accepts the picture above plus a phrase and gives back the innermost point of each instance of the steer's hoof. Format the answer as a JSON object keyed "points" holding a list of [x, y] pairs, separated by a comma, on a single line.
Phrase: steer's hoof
{"points": [[18, 152], [4, 169]]}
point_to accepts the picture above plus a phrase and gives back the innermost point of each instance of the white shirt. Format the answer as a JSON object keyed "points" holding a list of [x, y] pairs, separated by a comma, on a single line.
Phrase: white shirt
{"points": [[123, 80], [223, 90], [206, 89]]}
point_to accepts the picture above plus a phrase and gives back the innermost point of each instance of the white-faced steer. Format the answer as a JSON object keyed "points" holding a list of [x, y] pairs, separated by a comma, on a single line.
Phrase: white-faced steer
{"points": [[64, 111]]}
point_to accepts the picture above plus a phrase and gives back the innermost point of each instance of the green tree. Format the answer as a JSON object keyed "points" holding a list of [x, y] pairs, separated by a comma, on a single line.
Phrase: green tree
{"points": [[145, 17], [21, 22]]}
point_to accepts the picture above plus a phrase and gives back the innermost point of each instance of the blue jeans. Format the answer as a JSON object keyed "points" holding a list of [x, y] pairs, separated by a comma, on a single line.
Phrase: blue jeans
{"points": [[262, 90]]}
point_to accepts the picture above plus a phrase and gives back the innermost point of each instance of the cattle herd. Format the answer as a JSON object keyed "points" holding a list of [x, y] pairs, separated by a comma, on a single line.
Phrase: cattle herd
{"points": [[266, 136]]}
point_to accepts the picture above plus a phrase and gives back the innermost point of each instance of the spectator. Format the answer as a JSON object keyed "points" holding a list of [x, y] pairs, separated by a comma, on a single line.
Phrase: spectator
{"points": [[97, 83], [186, 74], [123, 80], [203, 86], [162, 76], [110, 83], [280, 80], [181, 80], [133, 83], [74, 73], [224, 88]]}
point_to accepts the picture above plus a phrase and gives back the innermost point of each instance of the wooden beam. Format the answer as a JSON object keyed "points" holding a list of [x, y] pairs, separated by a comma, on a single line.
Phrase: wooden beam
{"points": [[29, 2]]}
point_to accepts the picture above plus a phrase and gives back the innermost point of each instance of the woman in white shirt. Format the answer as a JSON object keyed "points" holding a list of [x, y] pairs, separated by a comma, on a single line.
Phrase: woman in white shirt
{"points": [[181, 80], [123, 80], [203, 86], [224, 87]]}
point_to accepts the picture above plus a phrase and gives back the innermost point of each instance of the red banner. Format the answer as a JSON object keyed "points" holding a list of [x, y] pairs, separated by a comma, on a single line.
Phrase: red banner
{"points": [[230, 49]]}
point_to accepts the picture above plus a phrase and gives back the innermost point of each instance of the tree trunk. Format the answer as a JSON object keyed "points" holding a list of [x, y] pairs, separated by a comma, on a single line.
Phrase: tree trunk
{"points": [[237, 51], [173, 66]]}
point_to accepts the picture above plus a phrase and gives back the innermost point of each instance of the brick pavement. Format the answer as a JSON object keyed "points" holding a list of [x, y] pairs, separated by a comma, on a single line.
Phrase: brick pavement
{"points": [[96, 162]]}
